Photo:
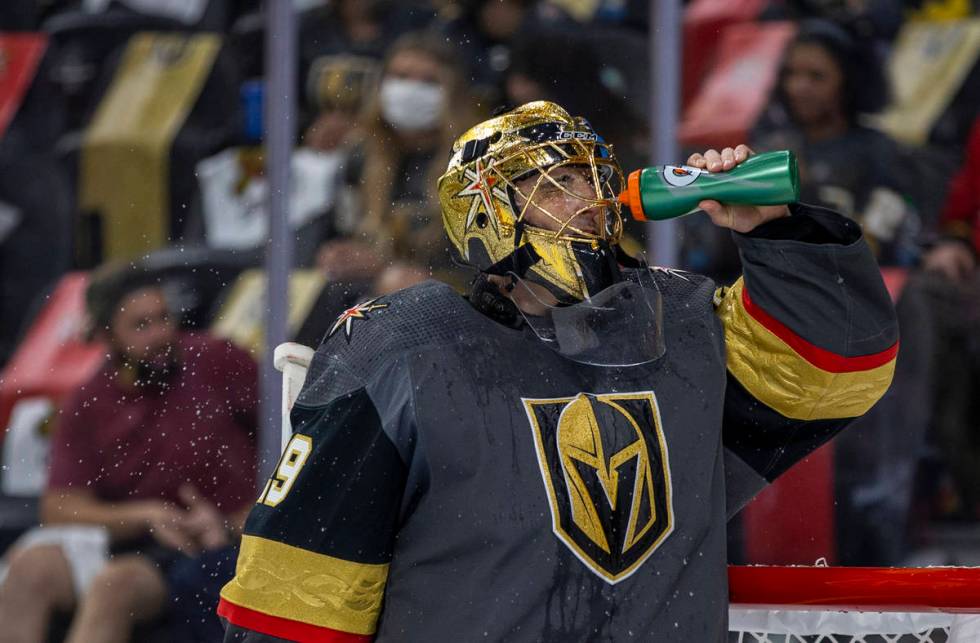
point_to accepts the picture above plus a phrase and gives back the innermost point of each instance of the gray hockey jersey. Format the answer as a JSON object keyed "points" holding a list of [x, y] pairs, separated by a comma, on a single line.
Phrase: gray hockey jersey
{"points": [[453, 479]]}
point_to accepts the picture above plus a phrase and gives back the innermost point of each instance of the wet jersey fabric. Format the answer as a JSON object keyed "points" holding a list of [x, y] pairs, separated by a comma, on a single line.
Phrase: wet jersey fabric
{"points": [[452, 479]]}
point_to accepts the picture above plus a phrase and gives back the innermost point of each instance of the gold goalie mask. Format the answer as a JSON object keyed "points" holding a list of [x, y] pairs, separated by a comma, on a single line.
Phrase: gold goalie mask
{"points": [[486, 213], [532, 194]]}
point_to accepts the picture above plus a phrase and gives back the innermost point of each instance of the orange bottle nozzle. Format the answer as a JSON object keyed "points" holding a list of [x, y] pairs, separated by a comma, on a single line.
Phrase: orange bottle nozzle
{"points": [[630, 197]]}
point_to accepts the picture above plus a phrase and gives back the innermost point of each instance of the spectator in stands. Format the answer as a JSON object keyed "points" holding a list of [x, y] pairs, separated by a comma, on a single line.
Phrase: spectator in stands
{"points": [[336, 297], [955, 254], [397, 276], [828, 80], [336, 90], [154, 455], [408, 132], [359, 27], [232, 210], [539, 71], [878, 20], [484, 32], [951, 283]]}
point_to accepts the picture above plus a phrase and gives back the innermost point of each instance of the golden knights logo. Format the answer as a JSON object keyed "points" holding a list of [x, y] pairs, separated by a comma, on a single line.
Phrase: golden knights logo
{"points": [[605, 468]]}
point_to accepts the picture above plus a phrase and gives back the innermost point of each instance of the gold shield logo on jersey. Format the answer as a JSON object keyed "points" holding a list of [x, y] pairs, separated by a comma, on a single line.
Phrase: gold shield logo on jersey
{"points": [[605, 468]]}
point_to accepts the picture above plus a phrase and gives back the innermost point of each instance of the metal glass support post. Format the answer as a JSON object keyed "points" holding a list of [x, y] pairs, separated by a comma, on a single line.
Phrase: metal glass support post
{"points": [[280, 121], [665, 66]]}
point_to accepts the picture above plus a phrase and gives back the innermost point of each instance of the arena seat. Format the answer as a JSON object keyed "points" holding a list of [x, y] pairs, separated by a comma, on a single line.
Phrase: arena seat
{"points": [[20, 15], [618, 51], [21, 54], [895, 278], [206, 15], [737, 90], [935, 80], [704, 21], [53, 359], [233, 215], [334, 298], [133, 173], [82, 47], [37, 218], [196, 277], [135, 167], [241, 318], [247, 38]]}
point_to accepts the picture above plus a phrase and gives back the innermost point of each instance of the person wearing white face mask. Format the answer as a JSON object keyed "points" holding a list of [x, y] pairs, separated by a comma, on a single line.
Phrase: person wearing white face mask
{"points": [[411, 105], [407, 133]]}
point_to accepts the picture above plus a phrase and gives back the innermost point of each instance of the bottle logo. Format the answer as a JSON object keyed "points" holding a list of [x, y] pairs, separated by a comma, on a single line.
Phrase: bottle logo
{"points": [[681, 175]]}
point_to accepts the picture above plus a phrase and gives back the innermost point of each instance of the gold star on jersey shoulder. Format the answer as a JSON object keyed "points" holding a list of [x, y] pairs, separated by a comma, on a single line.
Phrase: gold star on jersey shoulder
{"points": [[360, 311]]}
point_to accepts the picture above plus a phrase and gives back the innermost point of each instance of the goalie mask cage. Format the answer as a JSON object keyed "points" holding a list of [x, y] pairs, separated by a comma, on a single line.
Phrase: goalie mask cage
{"points": [[854, 605]]}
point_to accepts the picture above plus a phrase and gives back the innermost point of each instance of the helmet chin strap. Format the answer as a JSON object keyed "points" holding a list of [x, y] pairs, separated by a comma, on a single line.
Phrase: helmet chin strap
{"points": [[517, 262], [487, 299], [599, 265]]}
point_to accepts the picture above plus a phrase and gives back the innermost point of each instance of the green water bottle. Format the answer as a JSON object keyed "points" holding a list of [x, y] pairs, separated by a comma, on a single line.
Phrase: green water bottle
{"points": [[667, 191]]}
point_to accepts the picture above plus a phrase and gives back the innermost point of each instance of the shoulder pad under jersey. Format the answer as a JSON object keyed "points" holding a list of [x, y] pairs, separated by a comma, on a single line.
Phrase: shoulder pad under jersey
{"points": [[418, 315], [380, 330], [686, 295]]}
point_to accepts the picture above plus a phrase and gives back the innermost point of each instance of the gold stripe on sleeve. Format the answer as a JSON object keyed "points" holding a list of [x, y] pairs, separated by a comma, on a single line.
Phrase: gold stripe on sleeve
{"points": [[779, 377], [299, 585]]}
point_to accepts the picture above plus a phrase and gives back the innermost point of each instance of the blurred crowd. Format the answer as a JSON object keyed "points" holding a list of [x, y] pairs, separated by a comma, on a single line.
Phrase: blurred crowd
{"points": [[133, 208]]}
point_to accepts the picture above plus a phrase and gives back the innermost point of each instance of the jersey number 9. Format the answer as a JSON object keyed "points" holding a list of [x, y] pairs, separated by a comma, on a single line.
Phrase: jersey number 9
{"points": [[292, 460]]}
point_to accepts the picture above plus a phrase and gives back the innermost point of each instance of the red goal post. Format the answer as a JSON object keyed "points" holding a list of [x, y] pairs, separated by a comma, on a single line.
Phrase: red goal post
{"points": [[854, 604], [879, 589]]}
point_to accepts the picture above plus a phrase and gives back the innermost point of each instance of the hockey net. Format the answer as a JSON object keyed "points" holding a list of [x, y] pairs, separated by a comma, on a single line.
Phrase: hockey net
{"points": [[854, 605]]}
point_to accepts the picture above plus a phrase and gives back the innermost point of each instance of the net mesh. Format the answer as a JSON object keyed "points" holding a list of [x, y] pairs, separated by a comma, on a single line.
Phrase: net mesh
{"points": [[854, 605], [935, 635], [826, 626]]}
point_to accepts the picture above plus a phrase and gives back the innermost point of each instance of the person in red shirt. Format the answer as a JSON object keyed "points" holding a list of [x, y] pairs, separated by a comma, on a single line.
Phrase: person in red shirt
{"points": [[956, 254], [951, 283], [158, 449]]}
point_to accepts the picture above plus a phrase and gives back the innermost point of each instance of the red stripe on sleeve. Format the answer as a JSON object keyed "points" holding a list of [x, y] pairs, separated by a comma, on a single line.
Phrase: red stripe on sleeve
{"points": [[284, 628], [824, 359]]}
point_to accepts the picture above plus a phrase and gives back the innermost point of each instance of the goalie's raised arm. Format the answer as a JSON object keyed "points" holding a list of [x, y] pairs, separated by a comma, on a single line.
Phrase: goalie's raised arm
{"points": [[811, 339]]}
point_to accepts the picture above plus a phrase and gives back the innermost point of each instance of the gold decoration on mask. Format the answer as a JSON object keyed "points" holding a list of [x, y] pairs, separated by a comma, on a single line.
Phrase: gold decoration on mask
{"points": [[479, 191]]}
